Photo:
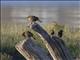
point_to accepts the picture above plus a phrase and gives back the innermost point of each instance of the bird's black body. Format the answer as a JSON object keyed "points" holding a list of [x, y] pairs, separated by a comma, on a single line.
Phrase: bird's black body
{"points": [[60, 33], [35, 18]]}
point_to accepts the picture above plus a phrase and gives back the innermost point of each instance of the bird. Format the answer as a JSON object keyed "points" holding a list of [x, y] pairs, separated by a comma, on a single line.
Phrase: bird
{"points": [[27, 34], [52, 32], [33, 19], [60, 33], [23, 34]]}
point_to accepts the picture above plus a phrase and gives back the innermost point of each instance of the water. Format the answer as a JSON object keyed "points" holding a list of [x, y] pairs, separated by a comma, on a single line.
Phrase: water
{"points": [[62, 12]]}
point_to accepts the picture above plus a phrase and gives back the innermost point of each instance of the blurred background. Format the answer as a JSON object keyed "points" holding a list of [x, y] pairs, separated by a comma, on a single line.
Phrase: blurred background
{"points": [[63, 12]]}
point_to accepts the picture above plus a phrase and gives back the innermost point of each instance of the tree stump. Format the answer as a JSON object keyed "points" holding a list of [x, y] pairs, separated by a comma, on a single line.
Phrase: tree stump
{"points": [[57, 50], [31, 51], [56, 47]]}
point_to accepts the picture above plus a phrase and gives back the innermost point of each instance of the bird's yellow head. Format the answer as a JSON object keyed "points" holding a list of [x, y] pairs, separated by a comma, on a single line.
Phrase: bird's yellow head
{"points": [[29, 18], [33, 19]]}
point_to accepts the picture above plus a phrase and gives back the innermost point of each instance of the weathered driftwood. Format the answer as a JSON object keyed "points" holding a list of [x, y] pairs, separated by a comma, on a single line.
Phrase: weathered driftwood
{"points": [[21, 50], [57, 52], [31, 51], [63, 50], [52, 50], [56, 47]]}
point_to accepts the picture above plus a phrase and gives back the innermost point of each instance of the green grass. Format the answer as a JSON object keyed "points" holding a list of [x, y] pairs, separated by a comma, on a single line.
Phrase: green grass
{"points": [[11, 34]]}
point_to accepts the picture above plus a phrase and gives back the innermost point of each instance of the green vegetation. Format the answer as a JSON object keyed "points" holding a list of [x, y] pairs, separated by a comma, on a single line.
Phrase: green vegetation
{"points": [[11, 34], [5, 56]]}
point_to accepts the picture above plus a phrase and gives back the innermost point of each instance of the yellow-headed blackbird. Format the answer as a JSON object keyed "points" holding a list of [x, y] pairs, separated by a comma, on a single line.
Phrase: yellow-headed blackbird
{"points": [[33, 18]]}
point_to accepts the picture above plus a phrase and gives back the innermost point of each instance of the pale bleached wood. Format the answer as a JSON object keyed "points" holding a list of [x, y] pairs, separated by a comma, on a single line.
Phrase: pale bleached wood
{"points": [[52, 49], [22, 51], [56, 51], [31, 51]]}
